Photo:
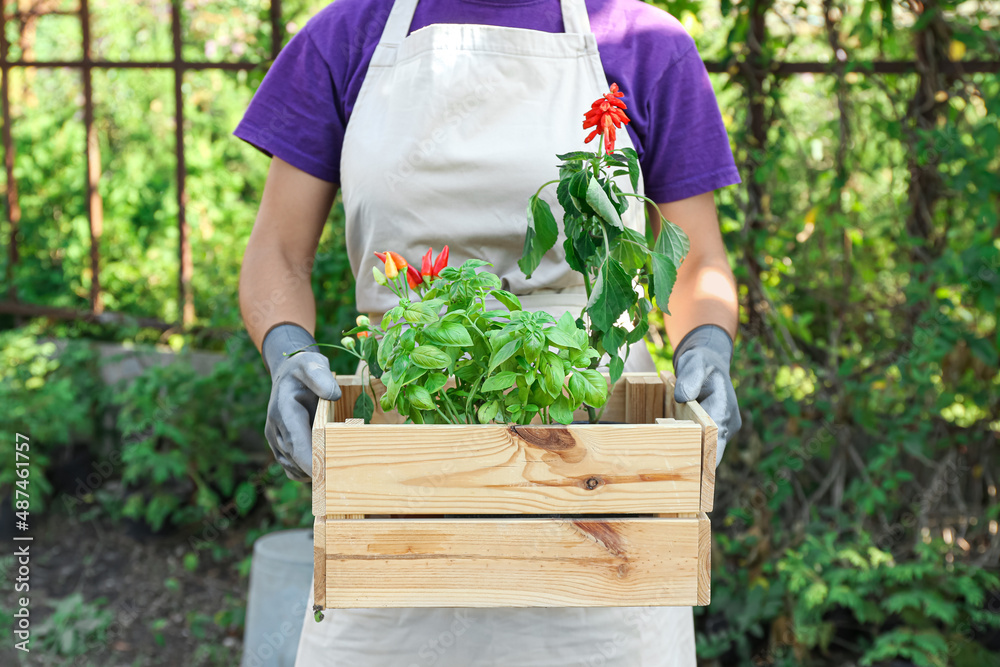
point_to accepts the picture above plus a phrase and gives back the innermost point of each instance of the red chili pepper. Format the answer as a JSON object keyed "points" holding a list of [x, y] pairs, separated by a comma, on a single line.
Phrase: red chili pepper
{"points": [[413, 277], [440, 262], [397, 259], [391, 270], [604, 116], [381, 256], [363, 334], [426, 264]]}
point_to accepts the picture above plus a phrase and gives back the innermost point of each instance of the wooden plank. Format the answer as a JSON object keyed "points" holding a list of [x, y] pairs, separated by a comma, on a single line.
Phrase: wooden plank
{"points": [[319, 457], [655, 391], [319, 561], [500, 469], [531, 562], [704, 560], [635, 400], [350, 389], [692, 411]]}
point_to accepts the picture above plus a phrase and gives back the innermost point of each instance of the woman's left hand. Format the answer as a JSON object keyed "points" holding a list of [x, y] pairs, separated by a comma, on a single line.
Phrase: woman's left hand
{"points": [[701, 364]]}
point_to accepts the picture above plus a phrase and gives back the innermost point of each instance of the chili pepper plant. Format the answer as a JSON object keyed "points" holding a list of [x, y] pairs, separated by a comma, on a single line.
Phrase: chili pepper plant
{"points": [[622, 272], [445, 359]]}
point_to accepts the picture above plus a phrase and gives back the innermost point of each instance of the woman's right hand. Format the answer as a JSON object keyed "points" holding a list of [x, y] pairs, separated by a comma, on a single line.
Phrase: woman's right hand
{"points": [[297, 384]]}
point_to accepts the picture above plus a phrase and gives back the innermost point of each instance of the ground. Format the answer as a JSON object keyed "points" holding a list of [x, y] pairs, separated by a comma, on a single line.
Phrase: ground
{"points": [[163, 605]]}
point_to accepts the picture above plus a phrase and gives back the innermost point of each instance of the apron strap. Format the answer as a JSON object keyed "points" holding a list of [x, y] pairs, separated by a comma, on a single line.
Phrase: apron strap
{"points": [[395, 31], [575, 18]]}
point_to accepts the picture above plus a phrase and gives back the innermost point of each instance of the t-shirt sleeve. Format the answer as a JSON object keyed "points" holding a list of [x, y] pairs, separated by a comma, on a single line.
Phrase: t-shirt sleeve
{"points": [[687, 150], [294, 114]]}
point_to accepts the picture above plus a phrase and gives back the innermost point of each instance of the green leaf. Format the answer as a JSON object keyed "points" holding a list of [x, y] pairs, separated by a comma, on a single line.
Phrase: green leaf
{"points": [[574, 155], [598, 200], [672, 242], [430, 357], [488, 412], [611, 295], [534, 343], [579, 184], [420, 397], [589, 386], [420, 313], [630, 249], [504, 353], [364, 407], [615, 368], [664, 277], [553, 374], [560, 338], [500, 382], [633, 167], [561, 410], [386, 347], [435, 381], [449, 333], [540, 237], [507, 299]]}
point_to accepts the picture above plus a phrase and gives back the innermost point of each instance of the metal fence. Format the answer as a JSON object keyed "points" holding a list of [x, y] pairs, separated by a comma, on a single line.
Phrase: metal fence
{"points": [[749, 65]]}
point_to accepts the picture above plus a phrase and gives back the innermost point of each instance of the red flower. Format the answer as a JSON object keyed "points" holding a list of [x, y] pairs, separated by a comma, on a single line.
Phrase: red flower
{"points": [[604, 116]]}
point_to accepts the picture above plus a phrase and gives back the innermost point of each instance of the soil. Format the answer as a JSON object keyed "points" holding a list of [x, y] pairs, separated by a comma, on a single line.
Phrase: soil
{"points": [[162, 613]]}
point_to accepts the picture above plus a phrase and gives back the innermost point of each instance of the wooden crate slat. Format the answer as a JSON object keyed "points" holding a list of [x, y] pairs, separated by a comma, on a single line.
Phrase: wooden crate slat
{"points": [[565, 562], [319, 457], [319, 561], [497, 469], [692, 411]]}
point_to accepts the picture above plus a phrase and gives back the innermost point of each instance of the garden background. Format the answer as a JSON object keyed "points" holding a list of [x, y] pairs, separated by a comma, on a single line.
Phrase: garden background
{"points": [[856, 518]]}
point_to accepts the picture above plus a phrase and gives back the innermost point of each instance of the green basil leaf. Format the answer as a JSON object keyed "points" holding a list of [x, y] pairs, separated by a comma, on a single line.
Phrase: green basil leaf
{"points": [[507, 299], [449, 333], [488, 412], [590, 386], [534, 343], [553, 373], [561, 410], [430, 357], [420, 313], [500, 382], [560, 338], [420, 397], [504, 353], [435, 381]]}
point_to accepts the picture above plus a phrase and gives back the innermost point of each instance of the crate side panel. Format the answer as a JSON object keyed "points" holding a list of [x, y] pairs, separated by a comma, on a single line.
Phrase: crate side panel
{"points": [[512, 562], [495, 469]]}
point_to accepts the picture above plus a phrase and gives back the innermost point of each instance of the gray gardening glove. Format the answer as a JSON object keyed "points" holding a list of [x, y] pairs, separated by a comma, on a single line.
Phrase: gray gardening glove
{"points": [[297, 384], [701, 364]]}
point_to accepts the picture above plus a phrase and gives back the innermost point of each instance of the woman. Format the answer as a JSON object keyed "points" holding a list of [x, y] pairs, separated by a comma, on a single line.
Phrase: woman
{"points": [[438, 120]]}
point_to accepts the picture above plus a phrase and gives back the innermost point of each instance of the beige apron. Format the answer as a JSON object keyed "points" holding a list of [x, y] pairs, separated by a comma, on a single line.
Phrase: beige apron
{"points": [[454, 128]]}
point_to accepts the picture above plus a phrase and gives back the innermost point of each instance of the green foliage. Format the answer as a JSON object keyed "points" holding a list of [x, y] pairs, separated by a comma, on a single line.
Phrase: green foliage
{"points": [[507, 365], [171, 421], [49, 396], [617, 265], [74, 626]]}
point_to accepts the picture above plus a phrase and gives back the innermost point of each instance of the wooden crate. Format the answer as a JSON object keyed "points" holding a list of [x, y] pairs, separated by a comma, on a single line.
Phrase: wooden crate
{"points": [[610, 514]]}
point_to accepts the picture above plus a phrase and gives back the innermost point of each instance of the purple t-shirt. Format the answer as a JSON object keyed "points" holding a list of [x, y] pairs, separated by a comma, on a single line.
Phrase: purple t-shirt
{"points": [[302, 107]]}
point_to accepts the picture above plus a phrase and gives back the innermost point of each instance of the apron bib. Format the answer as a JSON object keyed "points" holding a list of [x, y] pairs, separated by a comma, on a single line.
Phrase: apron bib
{"points": [[455, 127]]}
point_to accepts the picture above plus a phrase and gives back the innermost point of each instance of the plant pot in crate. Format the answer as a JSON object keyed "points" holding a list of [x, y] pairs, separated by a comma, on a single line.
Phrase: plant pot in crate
{"points": [[496, 515]]}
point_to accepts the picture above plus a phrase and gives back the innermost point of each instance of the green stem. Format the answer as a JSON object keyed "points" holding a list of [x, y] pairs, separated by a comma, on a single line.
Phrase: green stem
{"points": [[544, 185]]}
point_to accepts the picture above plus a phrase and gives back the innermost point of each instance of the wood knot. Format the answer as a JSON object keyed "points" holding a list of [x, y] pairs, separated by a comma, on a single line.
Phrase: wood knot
{"points": [[592, 483], [623, 570]]}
